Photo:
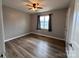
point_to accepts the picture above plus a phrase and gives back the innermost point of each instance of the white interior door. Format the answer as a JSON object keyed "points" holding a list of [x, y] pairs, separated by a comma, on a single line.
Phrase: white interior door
{"points": [[69, 27], [76, 32], [73, 51]]}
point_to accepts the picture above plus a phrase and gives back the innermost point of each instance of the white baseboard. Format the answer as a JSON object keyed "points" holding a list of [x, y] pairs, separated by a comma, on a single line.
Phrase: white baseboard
{"points": [[15, 37], [48, 36], [33, 33]]}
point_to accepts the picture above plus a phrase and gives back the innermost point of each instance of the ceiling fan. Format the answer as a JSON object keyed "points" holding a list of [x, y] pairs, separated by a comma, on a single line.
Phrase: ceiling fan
{"points": [[34, 5]]}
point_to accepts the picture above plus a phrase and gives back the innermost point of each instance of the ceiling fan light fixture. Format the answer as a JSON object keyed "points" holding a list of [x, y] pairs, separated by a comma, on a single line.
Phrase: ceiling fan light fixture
{"points": [[35, 5], [34, 9]]}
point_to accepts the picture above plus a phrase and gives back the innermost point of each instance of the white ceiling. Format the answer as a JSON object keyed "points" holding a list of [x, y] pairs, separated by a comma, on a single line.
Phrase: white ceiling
{"points": [[48, 5]]}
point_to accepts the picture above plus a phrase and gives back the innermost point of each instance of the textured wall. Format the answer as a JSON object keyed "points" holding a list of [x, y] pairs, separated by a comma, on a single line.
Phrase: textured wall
{"points": [[58, 23], [16, 23]]}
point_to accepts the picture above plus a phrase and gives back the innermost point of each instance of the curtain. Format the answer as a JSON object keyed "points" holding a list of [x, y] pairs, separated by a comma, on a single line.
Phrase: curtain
{"points": [[38, 22], [50, 23]]}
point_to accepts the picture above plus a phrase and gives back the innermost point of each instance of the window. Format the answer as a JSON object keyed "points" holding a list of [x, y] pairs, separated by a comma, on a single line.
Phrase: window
{"points": [[44, 22]]}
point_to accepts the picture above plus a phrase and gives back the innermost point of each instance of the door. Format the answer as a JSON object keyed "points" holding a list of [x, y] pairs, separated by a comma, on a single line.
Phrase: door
{"points": [[69, 27], [76, 32], [73, 35]]}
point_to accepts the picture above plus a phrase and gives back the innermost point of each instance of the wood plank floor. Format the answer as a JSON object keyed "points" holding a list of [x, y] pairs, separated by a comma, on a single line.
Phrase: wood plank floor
{"points": [[35, 46]]}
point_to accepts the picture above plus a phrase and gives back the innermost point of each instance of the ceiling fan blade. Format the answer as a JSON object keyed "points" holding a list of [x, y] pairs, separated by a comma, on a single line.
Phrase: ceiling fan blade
{"points": [[40, 7], [29, 5], [36, 1], [29, 8], [32, 1]]}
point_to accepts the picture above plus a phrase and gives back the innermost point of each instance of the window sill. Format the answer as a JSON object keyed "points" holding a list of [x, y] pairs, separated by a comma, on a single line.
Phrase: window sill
{"points": [[43, 30]]}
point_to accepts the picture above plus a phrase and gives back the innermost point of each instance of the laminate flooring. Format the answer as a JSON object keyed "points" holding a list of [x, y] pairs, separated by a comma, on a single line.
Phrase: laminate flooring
{"points": [[35, 46]]}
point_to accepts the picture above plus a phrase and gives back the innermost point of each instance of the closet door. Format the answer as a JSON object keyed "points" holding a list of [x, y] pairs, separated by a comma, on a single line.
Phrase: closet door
{"points": [[73, 46], [76, 32], [69, 26]]}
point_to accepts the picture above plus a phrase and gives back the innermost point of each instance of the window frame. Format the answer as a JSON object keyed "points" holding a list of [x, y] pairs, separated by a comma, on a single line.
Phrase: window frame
{"points": [[44, 22]]}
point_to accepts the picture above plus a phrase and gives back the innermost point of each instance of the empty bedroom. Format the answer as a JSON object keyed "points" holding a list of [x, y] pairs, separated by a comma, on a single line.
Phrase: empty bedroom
{"points": [[37, 28]]}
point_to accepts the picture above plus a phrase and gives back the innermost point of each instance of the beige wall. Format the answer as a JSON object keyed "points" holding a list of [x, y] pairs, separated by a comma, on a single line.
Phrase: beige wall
{"points": [[58, 23], [16, 23]]}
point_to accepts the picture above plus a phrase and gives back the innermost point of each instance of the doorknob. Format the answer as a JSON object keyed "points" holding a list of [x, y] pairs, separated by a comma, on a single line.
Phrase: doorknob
{"points": [[70, 44]]}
